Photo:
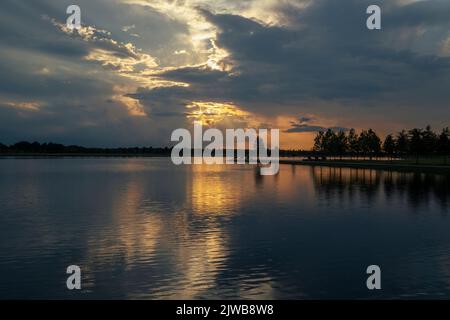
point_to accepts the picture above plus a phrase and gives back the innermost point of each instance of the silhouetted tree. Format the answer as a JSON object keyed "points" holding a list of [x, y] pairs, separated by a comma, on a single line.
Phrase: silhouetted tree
{"points": [[369, 143], [416, 146], [374, 143], [319, 142], [429, 141], [402, 143], [389, 145], [340, 143], [443, 142], [329, 141], [363, 142], [416, 142], [53, 148], [352, 142]]}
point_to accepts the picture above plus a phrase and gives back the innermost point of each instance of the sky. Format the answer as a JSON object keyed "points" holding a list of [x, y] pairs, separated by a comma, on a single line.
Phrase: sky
{"points": [[139, 69]]}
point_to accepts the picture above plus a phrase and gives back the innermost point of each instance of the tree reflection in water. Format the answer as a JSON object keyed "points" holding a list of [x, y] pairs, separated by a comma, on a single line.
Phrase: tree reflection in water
{"points": [[417, 188]]}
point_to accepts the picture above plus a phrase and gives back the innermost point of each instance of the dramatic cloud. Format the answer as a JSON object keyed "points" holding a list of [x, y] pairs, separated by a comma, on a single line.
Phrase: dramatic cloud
{"points": [[306, 124], [140, 68], [325, 56]]}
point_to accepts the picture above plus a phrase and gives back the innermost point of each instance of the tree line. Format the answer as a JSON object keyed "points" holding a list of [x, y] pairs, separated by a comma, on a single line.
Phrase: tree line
{"points": [[25, 147], [415, 142]]}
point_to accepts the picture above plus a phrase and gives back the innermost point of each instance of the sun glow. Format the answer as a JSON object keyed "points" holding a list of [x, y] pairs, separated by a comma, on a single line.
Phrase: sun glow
{"points": [[210, 113], [30, 106]]}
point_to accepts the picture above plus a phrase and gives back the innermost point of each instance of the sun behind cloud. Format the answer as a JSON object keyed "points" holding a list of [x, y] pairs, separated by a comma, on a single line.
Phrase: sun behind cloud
{"points": [[212, 113]]}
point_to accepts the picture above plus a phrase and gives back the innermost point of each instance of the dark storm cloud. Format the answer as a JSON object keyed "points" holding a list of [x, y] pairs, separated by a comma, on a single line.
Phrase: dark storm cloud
{"points": [[307, 128], [31, 40], [305, 124], [305, 119], [28, 26], [320, 57], [326, 54], [436, 12], [49, 91]]}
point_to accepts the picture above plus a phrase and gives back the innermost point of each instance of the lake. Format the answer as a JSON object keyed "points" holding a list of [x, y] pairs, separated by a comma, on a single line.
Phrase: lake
{"points": [[142, 228]]}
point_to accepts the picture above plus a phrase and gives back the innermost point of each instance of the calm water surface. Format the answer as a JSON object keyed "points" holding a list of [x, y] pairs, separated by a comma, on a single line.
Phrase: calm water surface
{"points": [[143, 228]]}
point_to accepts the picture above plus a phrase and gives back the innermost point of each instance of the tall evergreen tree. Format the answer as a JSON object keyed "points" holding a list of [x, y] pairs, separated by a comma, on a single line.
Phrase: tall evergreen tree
{"points": [[443, 142], [416, 146], [352, 141], [374, 143], [319, 142], [389, 145], [341, 143], [416, 142], [363, 142], [402, 143], [429, 141]]}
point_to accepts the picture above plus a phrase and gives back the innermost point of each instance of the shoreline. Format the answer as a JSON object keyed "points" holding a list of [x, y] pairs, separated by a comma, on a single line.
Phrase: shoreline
{"points": [[80, 155], [355, 164], [370, 165]]}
